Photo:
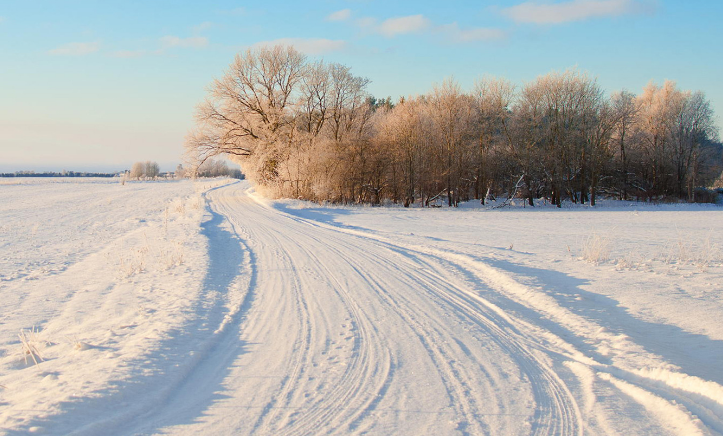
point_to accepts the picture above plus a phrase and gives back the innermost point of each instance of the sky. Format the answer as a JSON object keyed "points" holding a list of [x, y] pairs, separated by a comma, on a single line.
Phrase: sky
{"points": [[97, 85]]}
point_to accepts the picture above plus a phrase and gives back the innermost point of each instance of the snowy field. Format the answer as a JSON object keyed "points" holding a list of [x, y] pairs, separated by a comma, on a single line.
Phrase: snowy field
{"points": [[201, 308]]}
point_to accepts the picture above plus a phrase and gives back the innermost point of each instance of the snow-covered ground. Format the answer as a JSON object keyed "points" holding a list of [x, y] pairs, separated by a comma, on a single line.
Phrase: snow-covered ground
{"points": [[202, 308]]}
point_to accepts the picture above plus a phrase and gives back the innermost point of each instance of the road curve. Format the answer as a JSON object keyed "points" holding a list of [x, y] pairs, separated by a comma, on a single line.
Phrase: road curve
{"points": [[346, 334]]}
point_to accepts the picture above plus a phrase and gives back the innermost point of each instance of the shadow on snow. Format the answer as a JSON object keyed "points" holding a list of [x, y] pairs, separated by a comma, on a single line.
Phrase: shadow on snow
{"points": [[175, 383]]}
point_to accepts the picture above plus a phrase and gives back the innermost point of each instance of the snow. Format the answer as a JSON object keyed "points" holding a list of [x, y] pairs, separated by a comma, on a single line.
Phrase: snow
{"points": [[203, 308]]}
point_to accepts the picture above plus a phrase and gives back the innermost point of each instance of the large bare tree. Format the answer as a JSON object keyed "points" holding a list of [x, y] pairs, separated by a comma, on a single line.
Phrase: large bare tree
{"points": [[250, 109]]}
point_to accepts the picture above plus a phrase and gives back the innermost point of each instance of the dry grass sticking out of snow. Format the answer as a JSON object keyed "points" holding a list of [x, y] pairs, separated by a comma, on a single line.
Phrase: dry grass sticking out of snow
{"points": [[702, 253], [692, 253], [30, 344], [689, 252], [137, 254], [115, 268], [596, 248]]}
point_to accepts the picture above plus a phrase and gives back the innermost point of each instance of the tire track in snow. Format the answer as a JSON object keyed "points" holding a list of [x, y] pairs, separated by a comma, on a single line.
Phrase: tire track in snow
{"points": [[351, 403], [299, 356], [557, 412], [667, 392], [431, 338], [359, 370], [455, 387], [317, 271], [279, 414]]}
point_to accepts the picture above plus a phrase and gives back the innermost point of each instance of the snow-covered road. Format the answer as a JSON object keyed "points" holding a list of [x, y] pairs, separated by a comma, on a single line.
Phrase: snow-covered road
{"points": [[302, 325], [345, 331], [364, 335]]}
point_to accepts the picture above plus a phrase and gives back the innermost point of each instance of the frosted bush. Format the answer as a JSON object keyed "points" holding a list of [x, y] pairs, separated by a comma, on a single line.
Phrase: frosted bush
{"points": [[596, 249]]}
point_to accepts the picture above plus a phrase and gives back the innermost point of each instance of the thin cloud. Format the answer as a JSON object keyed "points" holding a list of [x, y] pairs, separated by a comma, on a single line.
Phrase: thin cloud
{"points": [[454, 34], [76, 49], [403, 25], [190, 42], [2, 20], [131, 54], [166, 43], [575, 10], [311, 46], [421, 24], [341, 15], [366, 23], [234, 12], [201, 27]]}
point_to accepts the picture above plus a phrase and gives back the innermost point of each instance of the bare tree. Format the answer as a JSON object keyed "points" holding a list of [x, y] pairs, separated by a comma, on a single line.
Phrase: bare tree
{"points": [[348, 101], [138, 170], [493, 98], [248, 110], [451, 112], [625, 113], [694, 124], [405, 130], [151, 169], [145, 169], [658, 107], [526, 138]]}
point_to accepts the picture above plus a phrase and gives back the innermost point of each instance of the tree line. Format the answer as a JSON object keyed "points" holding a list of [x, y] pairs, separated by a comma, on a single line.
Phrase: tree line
{"points": [[57, 174], [309, 129], [209, 168], [144, 170]]}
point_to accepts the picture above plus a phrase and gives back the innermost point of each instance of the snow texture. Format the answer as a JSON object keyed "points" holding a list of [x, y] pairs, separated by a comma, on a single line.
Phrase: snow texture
{"points": [[202, 308]]}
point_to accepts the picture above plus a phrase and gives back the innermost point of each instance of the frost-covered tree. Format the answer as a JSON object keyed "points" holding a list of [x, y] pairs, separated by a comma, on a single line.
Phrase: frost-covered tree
{"points": [[138, 170], [451, 115], [657, 110], [309, 129], [625, 114], [250, 110], [406, 129], [694, 125], [671, 127], [289, 122], [151, 169], [146, 169], [493, 99]]}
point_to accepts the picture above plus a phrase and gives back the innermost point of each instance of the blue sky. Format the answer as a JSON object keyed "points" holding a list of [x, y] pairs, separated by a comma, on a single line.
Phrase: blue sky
{"points": [[90, 85]]}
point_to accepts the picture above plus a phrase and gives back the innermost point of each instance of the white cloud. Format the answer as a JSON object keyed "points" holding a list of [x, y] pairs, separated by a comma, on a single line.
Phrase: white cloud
{"points": [[341, 15], [575, 10], [191, 42], [454, 34], [311, 46], [2, 19], [419, 23], [403, 25], [76, 49]]}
